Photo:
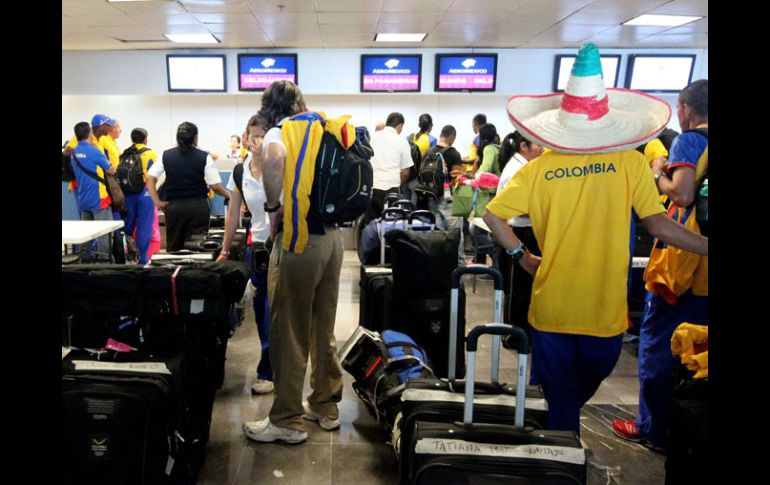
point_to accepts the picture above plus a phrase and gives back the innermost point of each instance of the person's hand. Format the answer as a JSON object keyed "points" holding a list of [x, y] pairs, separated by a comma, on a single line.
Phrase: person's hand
{"points": [[529, 262], [222, 257], [256, 147], [161, 204], [275, 218], [660, 164]]}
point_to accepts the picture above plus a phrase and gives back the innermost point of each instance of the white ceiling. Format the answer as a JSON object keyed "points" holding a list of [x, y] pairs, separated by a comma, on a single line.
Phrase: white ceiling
{"points": [[99, 25]]}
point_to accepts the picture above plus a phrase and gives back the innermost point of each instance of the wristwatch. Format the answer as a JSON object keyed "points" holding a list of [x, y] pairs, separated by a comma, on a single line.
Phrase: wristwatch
{"points": [[658, 176], [272, 209], [516, 253]]}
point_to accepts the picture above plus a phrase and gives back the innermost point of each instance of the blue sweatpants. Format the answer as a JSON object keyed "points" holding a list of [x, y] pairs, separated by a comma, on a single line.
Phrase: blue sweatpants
{"points": [[570, 369], [656, 362], [140, 216], [262, 318]]}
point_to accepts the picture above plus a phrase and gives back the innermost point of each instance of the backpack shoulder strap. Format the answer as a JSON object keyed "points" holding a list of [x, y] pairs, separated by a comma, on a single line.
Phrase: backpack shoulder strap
{"points": [[89, 173], [238, 177], [145, 149]]}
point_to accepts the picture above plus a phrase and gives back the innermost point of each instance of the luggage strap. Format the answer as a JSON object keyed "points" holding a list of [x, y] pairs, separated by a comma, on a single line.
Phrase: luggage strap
{"points": [[174, 299]]}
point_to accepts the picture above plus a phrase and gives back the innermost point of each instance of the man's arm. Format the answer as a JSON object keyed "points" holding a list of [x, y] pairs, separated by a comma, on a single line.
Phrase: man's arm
{"points": [[151, 182], [680, 187], [271, 162], [221, 190], [231, 223], [404, 175], [504, 236], [673, 233]]}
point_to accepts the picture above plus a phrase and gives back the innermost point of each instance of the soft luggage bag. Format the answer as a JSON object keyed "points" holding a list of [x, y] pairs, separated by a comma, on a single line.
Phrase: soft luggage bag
{"points": [[467, 452], [125, 425], [370, 247], [376, 370], [423, 261]]}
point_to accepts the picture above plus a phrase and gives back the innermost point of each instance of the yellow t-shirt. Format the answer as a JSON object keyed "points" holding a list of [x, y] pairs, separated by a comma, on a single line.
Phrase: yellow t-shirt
{"points": [[654, 149], [580, 207], [110, 148]]}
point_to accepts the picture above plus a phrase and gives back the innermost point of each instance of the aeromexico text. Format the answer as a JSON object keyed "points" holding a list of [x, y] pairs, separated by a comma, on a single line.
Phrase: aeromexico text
{"points": [[391, 71], [468, 71], [580, 171], [278, 70]]}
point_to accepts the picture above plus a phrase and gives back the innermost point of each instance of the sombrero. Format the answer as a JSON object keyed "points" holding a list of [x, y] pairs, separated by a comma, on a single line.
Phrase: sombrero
{"points": [[587, 117]]}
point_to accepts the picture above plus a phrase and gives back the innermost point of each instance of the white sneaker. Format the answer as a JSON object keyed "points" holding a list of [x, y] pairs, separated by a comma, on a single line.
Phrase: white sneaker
{"points": [[325, 423], [262, 386], [266, 432]]}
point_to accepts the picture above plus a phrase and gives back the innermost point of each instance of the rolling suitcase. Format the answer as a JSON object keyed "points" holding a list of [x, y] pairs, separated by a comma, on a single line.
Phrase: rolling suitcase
{"points": [[467, 452], [126, 422], [444, 400]]}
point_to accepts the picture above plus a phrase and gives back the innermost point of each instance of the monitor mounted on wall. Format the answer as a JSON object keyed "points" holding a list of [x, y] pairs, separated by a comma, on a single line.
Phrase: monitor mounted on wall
{"points": [[257, 71], [196, 73], [563, 68], [391, 73], [466, 72], [659, 73]]}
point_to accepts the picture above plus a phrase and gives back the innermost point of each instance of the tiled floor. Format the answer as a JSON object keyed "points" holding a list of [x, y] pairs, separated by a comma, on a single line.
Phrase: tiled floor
{"points": [[358, 452]]}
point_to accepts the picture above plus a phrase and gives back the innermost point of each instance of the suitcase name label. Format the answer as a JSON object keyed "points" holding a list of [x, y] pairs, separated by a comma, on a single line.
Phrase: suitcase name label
{"points": [[437, 446], [430, 395], [147, 367]]}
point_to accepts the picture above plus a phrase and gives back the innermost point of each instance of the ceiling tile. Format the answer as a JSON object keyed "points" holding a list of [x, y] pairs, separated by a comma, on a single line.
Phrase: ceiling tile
{"points": [[241, 7], [699, 26], [348, 5], [87, 7], [406, 27], [149, 9], [242, 27], [289, 6], [115, 20], [421, 5], [346, 40], [684, 7], [286, 18], [225, 18], [249, 39], [131, 33], [470, 6], [669, 41], [352, 28], [348, 18], [420, 17]]}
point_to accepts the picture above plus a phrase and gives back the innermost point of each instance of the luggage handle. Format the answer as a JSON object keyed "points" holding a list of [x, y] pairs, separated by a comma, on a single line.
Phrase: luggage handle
{"points": [[522, 346], [391, 197], [405, 204], [420, 214], [402, 362], [397, 214], [457, 274]]}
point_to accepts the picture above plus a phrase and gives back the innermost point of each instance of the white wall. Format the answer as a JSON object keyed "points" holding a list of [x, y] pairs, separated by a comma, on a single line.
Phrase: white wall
{"points": [[109, 82]]}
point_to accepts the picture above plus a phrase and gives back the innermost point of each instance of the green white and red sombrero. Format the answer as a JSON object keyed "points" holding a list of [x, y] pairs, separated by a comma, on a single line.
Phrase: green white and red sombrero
{"points": [[587, 117]]}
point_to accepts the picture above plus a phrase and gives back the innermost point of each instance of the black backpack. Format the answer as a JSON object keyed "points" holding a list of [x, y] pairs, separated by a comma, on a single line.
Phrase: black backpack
{"points": [[431, 175], [67, 174], [414, 150], [342, 184], [666, 137], [129, 173], [702, 193]]}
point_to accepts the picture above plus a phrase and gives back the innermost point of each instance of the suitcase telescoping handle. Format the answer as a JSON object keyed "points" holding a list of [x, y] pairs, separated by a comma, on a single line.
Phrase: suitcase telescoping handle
{"points": [[391, 198], [522, 347], [453, 317], [422, 215], [389, 214]]}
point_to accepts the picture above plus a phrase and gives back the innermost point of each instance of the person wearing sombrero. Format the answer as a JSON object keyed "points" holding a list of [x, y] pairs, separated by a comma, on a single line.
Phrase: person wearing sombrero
{"points": [[579, 198]]}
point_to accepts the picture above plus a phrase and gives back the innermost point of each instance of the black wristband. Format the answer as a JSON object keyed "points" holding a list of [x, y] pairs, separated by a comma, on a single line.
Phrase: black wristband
{"points": [[272, 209]]}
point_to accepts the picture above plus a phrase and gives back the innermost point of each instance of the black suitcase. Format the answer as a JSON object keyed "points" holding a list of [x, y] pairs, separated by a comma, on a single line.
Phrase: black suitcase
{"points": [[376, 284], [688, 439], [126, 422], [467, 452]]}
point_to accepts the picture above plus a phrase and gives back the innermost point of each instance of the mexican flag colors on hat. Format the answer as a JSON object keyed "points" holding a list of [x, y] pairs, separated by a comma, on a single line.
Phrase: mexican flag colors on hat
{"points": [[587, 117]]}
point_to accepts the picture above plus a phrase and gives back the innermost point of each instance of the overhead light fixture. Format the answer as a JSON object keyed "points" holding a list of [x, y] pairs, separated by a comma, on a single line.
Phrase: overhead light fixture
{"points": [[400, 37], [192, 38], [662, 20]]}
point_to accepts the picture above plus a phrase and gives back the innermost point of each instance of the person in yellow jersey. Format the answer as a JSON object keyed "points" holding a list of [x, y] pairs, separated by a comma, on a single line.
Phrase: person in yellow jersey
{"points": [[579, 198], [108, 141]]}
